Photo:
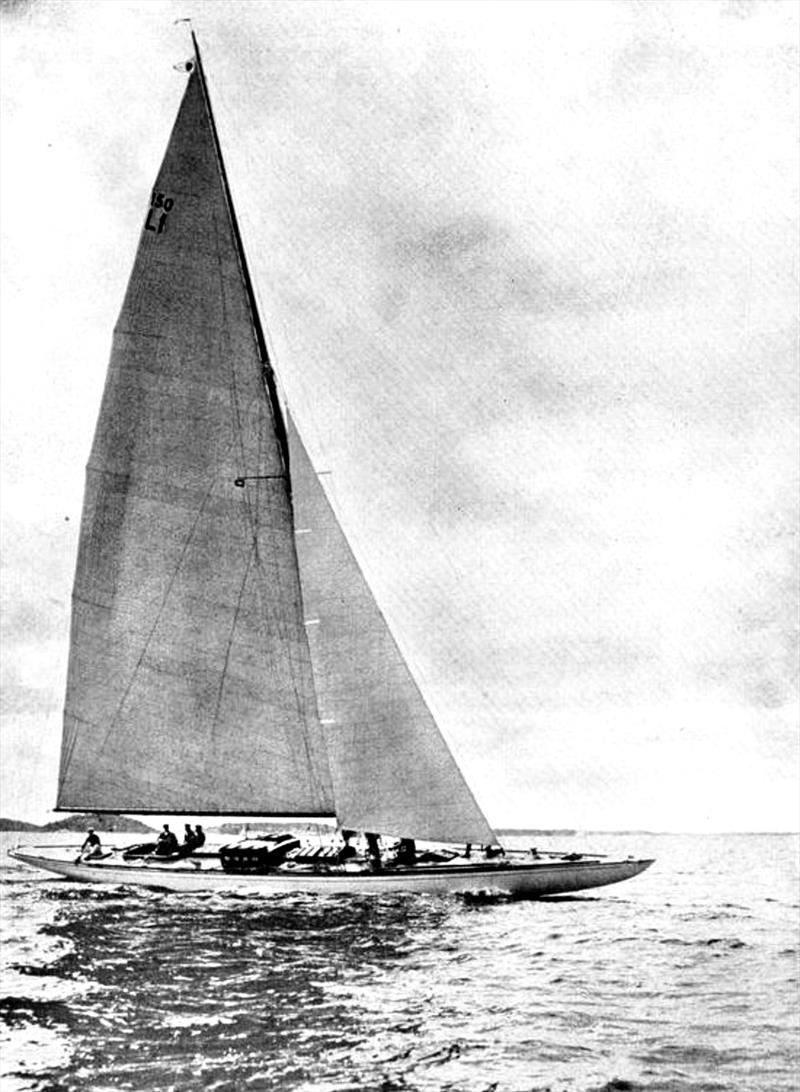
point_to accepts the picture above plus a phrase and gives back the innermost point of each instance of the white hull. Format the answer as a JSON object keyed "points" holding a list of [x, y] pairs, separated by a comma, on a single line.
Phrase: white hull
{"points": [[529, 879]]}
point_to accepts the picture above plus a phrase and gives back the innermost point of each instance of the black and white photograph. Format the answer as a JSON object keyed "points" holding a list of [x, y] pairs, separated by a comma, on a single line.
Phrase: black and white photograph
{"points": [[399, 490]]}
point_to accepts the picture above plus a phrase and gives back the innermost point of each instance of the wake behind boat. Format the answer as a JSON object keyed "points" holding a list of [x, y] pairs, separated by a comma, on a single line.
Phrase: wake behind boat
{"points": [[227, 656]]}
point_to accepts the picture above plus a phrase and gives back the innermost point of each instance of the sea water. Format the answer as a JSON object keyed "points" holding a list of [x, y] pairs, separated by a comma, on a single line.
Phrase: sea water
{"points": [[683, 978]]}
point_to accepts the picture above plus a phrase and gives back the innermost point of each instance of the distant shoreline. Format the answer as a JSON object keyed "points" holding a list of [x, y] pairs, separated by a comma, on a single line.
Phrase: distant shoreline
{"points": [[121, 824], [74, 824]]}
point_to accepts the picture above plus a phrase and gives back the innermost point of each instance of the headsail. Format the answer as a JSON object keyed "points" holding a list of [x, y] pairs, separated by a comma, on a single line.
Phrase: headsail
{"points": [[392, 770], [190, 685]]}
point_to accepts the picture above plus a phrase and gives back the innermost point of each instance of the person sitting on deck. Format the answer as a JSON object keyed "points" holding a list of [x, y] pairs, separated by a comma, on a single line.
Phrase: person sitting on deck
{"points": [[192, 840], [373, 848], [406, 852], [347, 852], [167, 843], [189, 841], [91, 847]]}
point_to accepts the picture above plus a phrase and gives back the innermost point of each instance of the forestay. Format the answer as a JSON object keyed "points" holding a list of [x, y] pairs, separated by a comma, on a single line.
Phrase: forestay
{"points": [[190, 686]]}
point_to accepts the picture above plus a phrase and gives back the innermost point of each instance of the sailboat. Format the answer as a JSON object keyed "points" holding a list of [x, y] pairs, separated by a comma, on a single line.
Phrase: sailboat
{"points": [[227, 656]]}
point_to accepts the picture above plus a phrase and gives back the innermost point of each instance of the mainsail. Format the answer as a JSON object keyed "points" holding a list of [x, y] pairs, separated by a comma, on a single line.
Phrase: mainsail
{"points": [[190, 686], [202, 571]]}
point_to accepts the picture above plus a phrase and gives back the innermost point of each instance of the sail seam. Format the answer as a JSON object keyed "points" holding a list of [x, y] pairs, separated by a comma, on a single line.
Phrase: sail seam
{"points": [[279, 625], [231, 635], [68, 751], [134, 674], [78, 598]]}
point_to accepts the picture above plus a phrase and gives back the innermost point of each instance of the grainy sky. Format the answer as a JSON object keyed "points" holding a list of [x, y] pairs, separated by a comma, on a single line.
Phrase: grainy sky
{"points": [[530, 276]]}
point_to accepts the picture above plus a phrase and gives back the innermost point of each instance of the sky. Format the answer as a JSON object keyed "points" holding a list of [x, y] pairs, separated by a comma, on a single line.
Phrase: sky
{"points": [[529, 275]]}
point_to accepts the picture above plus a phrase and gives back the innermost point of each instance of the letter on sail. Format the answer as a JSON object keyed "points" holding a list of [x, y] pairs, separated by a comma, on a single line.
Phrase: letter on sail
{"points": [[190, 685]]}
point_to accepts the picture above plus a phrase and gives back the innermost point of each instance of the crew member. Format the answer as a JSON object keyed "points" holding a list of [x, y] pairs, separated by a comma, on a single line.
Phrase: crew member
{"points": [[373, 848], [407, 852], [347, 852], [167, 843], [91, 847]]}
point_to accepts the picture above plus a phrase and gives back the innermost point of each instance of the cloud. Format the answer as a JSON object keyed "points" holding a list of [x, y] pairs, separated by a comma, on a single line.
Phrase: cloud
{"points": [[530, 283], [15, 9], [484, 273], [20, 698], [27, 621], [657, 67]]}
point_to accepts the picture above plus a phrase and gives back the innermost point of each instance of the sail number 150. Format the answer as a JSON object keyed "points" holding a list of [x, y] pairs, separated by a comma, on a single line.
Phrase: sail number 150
{"points": [[160, 206]]}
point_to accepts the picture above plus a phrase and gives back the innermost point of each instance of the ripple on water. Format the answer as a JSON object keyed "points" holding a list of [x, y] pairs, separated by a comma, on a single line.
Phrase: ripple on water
{"points": [[115, 988]]}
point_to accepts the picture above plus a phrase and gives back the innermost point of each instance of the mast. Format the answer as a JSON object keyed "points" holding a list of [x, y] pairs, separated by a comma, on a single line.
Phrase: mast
{"points": [[267, 372], [415, 788]]}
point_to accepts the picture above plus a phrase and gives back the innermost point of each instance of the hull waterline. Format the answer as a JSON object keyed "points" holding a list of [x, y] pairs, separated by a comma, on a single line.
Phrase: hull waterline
{"points": [[525, 880]]}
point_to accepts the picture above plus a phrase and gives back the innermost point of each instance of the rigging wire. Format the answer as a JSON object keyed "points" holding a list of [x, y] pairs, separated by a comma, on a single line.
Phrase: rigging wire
{"points": [[303, 694]]}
